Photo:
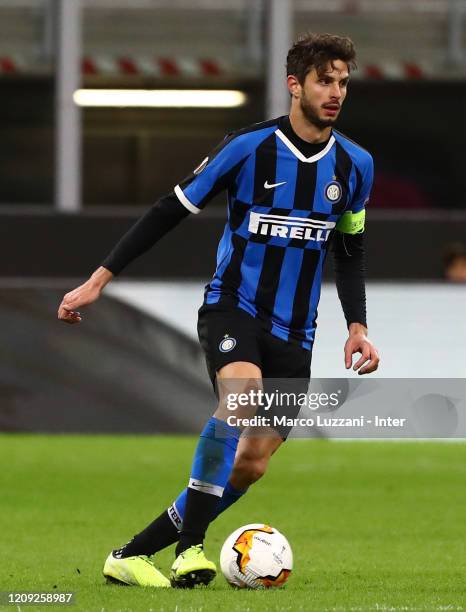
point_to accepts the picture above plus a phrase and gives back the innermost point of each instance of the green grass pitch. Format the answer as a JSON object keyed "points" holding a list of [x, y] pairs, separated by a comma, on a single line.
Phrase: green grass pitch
{"points": [[373, 526]]}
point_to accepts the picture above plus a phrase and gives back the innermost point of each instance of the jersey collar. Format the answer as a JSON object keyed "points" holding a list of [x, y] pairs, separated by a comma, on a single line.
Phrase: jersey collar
{"points": [[305, 151]]}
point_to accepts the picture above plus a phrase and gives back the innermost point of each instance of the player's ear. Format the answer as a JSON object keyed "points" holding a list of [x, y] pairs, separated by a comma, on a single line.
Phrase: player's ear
{"points": [[293, 86]]}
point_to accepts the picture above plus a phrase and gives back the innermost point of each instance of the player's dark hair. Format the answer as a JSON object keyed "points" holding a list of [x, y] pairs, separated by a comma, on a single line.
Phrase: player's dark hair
{"points": [[316, 51]]}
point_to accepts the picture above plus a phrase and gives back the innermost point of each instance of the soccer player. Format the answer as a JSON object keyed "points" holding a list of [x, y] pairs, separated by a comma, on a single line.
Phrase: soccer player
{"points": [[294, 185]]}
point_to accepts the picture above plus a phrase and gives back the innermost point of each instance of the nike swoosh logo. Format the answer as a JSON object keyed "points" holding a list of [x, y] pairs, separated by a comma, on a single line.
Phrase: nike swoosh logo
{"points": [[197, 484], [268, 185]]}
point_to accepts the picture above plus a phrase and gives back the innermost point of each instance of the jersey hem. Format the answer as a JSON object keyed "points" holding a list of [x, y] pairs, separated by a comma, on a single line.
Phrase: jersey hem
{"points": [[229, 303]]}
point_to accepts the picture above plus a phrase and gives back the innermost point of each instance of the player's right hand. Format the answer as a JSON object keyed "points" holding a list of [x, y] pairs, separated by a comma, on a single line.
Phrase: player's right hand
{"points": [[81, 296]]}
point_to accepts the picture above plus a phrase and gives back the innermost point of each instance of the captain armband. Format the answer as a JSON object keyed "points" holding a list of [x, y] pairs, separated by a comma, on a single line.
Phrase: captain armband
{"points": [[352, 223]]}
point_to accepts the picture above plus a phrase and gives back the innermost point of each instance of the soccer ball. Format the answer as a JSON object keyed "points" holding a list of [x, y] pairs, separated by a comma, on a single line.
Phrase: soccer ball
{"points": [[256, 556]]}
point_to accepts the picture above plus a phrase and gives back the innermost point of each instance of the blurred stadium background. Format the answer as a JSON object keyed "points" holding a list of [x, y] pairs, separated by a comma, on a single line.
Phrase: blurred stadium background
{"points": [[73, 178]]}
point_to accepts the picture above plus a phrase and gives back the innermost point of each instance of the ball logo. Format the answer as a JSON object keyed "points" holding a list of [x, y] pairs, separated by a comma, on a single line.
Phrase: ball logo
{"points": [[333, 192], [227, 344], [201, 166]]}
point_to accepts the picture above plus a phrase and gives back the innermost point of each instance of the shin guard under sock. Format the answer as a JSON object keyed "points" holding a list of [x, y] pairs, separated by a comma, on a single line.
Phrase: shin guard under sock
{"points": [[212, 465]]}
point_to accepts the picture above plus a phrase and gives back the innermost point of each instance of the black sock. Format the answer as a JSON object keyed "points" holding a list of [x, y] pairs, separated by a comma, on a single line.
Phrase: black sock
{"points": [[201, 509], [159, 534]]}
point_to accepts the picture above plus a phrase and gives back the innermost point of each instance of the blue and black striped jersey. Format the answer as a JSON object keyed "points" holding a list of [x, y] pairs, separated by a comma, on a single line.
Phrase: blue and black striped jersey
{"points": [[283, 206]]}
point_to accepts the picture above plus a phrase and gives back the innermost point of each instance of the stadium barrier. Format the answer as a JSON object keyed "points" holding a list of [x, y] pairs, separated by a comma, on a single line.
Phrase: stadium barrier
{"points": [[123, 371], [401, 245]]}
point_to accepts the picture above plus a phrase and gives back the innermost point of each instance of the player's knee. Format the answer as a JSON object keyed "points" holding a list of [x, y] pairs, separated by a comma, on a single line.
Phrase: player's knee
{"points": [[248, 469]]}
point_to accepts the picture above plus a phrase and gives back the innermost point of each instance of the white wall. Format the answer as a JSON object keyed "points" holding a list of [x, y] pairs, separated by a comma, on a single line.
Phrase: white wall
{"points": [[420, 330]]}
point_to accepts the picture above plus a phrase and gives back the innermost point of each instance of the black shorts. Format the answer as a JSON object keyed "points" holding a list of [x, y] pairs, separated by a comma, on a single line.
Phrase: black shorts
{"points": [[231, 334]]}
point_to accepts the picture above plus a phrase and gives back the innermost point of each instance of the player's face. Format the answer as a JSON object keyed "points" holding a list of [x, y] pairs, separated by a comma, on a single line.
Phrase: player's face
{"points": [[322, 95]]}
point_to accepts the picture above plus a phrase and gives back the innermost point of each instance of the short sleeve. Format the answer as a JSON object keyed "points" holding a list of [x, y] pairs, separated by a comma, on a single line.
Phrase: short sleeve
{"points": [[216, 172], [353, 220], [365, 178]]}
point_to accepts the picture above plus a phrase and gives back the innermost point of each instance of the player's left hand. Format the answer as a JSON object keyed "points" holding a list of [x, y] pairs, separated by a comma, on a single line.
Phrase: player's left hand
{"points": [[358, 342]]}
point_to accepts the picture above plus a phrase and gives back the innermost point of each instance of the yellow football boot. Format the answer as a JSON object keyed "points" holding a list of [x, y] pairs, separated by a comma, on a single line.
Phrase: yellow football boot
{"points": [[134, 571], [191, 568]]}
